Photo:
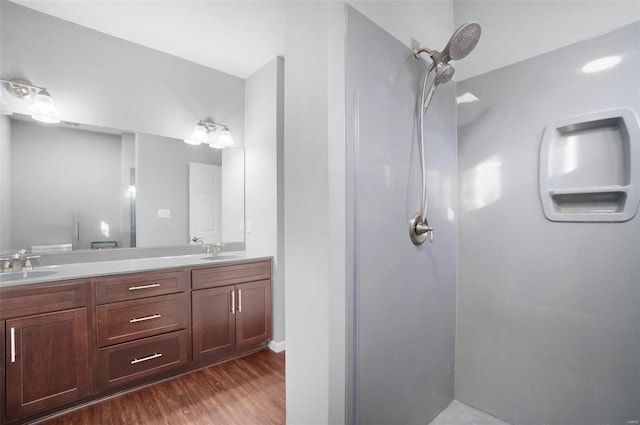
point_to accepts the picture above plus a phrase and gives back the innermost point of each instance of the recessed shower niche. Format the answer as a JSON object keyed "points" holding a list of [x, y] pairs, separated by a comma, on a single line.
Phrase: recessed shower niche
{"points": [[589, 167]]}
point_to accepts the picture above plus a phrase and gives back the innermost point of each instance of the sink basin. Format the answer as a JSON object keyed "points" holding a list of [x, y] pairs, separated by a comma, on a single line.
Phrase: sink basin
{"points": [[17, 276], [221, 257]]}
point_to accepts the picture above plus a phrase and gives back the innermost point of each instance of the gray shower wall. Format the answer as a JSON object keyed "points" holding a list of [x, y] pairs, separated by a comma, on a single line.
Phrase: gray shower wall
{"points": [[404, 295], [548, 312]]}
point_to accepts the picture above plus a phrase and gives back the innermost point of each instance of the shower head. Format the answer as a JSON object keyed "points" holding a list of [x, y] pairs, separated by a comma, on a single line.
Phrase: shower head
{"points": [[444, 73], [461, 43]]}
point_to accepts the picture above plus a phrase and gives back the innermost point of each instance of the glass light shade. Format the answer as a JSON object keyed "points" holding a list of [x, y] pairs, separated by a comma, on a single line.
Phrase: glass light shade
{"points": [[192, 142], [200, 134], [44, 109], [225, 138]]}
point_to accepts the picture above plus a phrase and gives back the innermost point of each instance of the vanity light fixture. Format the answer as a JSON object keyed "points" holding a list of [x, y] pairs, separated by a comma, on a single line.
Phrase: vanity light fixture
{"points": [[204, 132], [43, 107]]}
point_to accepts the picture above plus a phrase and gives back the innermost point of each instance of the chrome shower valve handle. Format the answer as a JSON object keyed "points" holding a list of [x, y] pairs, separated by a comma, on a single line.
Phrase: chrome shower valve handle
{"points": [[419, 230]]}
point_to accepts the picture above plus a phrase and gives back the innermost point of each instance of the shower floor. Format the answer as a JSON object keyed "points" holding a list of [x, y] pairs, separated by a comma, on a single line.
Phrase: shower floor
{"points": [[460, 414]]}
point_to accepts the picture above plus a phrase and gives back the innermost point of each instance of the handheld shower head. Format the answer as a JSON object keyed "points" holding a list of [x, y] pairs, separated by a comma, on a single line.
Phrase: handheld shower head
{"points": [[444, 73]]}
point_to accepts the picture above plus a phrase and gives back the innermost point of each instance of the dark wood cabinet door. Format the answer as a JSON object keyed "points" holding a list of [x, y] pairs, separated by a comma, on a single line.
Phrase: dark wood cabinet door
{"points": [[214, 324], [46, 361], [253, 318]]}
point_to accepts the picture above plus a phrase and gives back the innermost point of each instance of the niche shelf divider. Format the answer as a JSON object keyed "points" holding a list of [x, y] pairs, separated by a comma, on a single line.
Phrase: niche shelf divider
{"points": [[590, 166]]}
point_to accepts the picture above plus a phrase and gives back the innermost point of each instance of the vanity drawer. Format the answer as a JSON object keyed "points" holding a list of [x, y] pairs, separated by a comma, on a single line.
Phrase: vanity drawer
{"points": [[230, 275], [36, 298], [141, 285], [140, 359], [129, 320]]}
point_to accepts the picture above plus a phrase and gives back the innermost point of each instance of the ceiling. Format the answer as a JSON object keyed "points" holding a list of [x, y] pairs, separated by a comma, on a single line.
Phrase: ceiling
{"points": [[236, 37], [240, 36]]}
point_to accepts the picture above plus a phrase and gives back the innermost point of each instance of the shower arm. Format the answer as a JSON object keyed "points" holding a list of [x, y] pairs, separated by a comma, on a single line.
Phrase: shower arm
{"points": [[418, 51]]}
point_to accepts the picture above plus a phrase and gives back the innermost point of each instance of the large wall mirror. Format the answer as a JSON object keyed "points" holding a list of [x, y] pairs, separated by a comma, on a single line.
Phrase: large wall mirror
{"points": [[80, 187], [115, 172]]}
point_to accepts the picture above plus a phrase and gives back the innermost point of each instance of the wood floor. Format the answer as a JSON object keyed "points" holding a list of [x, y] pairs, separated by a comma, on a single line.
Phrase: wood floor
{"points": [[246, 391]]}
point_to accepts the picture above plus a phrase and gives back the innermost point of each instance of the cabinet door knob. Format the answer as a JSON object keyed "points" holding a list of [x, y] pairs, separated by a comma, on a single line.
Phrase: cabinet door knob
{"points": [[239, 300]]}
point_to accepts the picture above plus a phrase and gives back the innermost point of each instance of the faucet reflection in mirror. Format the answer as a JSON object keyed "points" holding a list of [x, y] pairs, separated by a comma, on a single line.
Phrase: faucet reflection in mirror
{"points": [[43, 108], [205, 131]]}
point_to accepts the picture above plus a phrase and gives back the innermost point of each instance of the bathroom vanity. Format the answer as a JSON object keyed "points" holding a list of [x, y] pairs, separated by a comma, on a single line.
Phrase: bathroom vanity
{"points": [[69, 341]]}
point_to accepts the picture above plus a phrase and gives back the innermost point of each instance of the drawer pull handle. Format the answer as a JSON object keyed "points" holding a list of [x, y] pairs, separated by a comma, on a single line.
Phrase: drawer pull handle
{"points": [[142, 319], [153, 285], [144, 359], [239, 300], [13, 345]]}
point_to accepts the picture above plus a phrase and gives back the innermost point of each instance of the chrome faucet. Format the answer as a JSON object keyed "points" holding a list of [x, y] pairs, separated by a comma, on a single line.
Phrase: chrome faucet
{"points": [[17, 259], [217, 248], [199, 240], [28, 265], [6, 265], [18, 262], [203, 243]]}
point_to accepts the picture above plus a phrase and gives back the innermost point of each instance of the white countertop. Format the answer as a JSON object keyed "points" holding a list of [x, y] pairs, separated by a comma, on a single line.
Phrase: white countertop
{"points": [[104, 268]]}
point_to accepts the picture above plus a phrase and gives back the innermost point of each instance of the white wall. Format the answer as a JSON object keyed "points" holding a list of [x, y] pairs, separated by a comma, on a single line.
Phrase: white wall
{"points": [[428, 22], [516, 30], [211, 33], [101, 80], [315, 213], [548, 314], [405, 296], [263, 140], [233, 195]]}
